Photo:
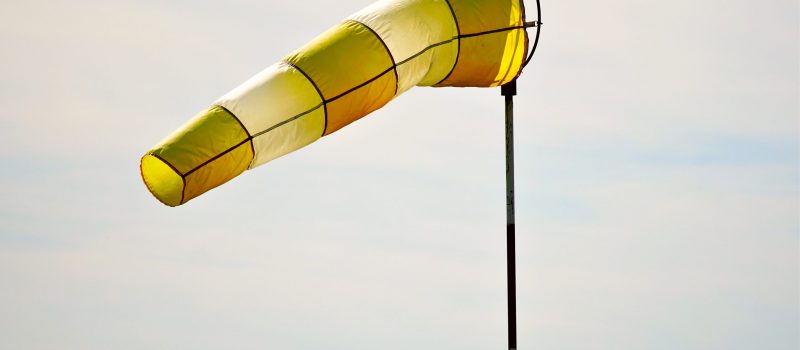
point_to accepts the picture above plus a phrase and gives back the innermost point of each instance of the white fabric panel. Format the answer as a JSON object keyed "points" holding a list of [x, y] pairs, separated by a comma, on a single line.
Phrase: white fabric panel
{"points": [[277, 95], [409, 27]]}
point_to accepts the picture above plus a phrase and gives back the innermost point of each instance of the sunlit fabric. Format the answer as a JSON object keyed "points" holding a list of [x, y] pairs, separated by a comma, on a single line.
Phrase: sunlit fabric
{"points": [[344, 74]]}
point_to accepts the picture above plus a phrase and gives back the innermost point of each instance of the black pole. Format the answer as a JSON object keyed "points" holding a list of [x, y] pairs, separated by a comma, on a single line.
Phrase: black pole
{"points": [[509, 90]]}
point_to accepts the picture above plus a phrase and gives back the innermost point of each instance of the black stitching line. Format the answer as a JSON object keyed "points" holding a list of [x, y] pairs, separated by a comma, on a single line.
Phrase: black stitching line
{"points": [[325, 102], [491, 31], [391, 56], [359, 85], [321, 96], [249, 137], [454, 38], [426, 49], [458, 50], [287, 120], [166, 162], [217, 156]]}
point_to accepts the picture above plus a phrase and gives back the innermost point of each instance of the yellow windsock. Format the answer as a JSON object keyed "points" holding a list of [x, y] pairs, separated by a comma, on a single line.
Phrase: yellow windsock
{"points": [[342, 75]]}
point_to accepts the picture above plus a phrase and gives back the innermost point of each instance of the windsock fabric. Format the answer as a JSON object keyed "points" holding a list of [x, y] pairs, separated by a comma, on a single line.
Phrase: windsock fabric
{"points": [[344, 74]]}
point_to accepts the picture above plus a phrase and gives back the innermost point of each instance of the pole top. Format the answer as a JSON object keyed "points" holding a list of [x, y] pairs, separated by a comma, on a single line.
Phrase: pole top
{"points": [[509, 89]]}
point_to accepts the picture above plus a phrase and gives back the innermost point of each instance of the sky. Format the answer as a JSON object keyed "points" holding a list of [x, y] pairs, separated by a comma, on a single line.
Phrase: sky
{"points": [[658, 187]]}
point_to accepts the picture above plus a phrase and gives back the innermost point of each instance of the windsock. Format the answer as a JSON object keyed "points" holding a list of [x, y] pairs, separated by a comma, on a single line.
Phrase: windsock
{"points": [[344, 74]]}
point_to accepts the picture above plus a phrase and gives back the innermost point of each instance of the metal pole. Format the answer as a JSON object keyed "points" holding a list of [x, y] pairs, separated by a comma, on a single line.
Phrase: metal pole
{"points": [[509, 90]]}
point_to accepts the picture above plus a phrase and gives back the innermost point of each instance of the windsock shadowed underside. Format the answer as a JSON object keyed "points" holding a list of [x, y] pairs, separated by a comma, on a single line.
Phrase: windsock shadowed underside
{"points": [[342, 75]]}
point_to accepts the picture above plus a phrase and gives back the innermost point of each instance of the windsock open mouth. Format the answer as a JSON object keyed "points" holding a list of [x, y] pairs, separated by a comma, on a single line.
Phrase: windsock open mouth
{"points": [[162, 180]]}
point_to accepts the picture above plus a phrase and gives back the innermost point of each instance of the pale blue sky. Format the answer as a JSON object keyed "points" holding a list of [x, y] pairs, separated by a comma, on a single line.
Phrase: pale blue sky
{"points": [[657, 182]]}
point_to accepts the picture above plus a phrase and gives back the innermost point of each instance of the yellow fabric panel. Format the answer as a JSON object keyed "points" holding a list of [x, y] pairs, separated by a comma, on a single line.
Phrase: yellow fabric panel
{"points": [[476, 16], [210, 138], [161, 180], [409, 28], [489, 60], [218, 171], [280, 108], [207, 135], [349, 59], [342, 58], [360, 102], [485, 58]]}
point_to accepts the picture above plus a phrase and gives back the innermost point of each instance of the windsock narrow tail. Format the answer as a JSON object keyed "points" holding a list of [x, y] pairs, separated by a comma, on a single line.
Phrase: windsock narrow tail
{"points": [[344, 74]]}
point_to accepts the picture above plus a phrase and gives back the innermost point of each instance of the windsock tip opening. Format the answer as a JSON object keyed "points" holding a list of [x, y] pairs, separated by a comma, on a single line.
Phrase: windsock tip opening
{"points": [[162, 180]]}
